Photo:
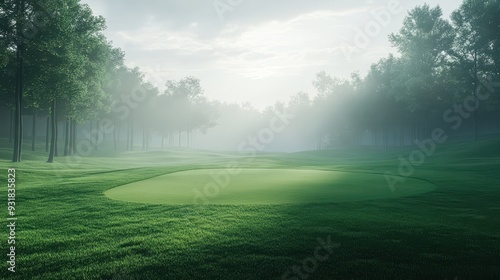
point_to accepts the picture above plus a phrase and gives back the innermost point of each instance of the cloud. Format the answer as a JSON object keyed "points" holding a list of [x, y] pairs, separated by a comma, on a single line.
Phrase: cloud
{"points": [[261, 51], [271, 48]]}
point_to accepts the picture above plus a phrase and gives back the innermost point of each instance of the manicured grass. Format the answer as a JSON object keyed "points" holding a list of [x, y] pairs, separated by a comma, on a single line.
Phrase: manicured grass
{"points": [[68, 229], [263, 186]]}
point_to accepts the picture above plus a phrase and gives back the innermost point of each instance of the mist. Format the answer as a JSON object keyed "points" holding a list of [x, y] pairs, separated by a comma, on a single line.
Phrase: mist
{"points": [[236, 139]]}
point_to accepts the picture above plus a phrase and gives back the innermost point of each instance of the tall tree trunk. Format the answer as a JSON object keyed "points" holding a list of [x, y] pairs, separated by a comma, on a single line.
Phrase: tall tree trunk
{"points": [[56, 153], [148, 136], [72, 144], [179, 137], [16, 157], [98, 129], [11, 130], [53, 134], [475, 86], [18, 135], [47, 135], [33, 131], [475, 113], [187, 138], [162, 141], [132, 134], [91, 138], [476, 124], [66, 137], [118, 129], [114, 135], [128, 135]]}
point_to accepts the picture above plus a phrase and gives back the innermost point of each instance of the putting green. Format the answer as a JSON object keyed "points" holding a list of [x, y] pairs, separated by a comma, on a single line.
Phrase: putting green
{"points": [[263, 186]]}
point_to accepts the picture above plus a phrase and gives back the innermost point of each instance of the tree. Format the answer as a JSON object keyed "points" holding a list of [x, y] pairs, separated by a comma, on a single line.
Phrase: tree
{"points": [[474, 51], [145, 111], [127, 92], [164, 117], [112, 88], [189, 109], [333, 93], [384, 107], [63, 61], [94, 102], [7, 87], [424, 42], [17, 12]]}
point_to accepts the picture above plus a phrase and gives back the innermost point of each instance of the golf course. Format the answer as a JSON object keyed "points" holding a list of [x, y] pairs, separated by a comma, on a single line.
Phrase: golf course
{"points": [[133, 215], [250, 140]]}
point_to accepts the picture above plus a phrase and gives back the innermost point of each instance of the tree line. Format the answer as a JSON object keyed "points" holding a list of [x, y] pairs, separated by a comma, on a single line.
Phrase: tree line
{"points": [[444, 72], [442, 69], [56, 62]]}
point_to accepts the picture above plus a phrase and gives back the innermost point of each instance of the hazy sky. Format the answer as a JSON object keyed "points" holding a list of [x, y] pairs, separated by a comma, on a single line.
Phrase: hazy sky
{"points": [[254, 50]]}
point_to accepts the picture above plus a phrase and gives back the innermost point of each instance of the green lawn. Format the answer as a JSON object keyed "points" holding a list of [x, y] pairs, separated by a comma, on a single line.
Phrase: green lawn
{"points": [[67, 227], [263, 186]]}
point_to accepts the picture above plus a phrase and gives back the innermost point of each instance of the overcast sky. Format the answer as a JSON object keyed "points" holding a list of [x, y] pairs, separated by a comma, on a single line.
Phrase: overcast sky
{"points": [[254, 51]]}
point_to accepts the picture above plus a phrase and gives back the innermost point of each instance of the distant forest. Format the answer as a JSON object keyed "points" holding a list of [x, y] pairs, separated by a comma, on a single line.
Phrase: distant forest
{"points": [[64, 85]]}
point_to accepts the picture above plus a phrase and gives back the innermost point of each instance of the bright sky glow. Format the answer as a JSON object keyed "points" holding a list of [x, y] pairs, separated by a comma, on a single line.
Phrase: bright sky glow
{"points": [[257, 52]]}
